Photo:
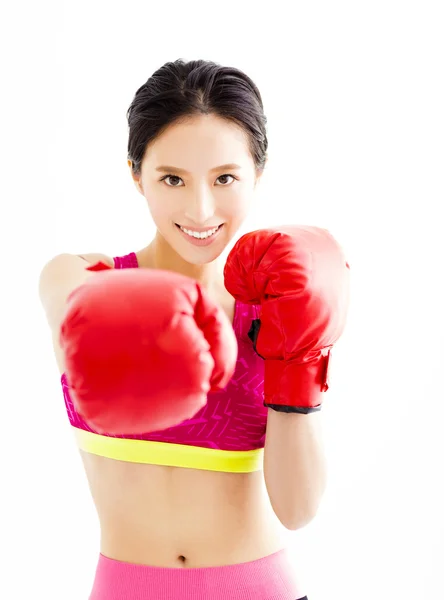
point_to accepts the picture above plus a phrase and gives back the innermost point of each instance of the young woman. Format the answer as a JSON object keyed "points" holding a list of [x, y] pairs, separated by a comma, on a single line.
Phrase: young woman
{"points": [[184, 512]]}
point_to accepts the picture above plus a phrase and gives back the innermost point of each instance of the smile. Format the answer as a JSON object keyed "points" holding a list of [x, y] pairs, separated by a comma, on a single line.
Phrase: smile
{"points": [[200, 238], [200, 235]]}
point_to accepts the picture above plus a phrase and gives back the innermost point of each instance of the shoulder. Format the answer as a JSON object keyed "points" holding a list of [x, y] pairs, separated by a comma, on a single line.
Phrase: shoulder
{"points": [[95, 257], [59, 276]]}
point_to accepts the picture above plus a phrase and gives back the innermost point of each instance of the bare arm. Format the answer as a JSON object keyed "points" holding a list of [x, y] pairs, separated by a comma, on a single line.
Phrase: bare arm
{"points": [[59, 277], [295, 467]]}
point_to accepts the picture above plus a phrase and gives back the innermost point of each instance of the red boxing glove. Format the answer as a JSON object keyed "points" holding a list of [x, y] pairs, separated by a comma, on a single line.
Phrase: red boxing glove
{"points": [[300, 278], [143, 347]]}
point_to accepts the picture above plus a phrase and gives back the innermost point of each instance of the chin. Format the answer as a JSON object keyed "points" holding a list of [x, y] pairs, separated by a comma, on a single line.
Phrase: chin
{"points": [[202, 258]]}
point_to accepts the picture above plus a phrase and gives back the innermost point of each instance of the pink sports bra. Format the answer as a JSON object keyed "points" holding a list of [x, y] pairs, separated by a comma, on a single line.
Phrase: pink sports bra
{"points": [[227, 434]]}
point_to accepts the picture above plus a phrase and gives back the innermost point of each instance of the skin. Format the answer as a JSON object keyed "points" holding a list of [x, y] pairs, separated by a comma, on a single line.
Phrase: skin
{"points": [[168, 516]]}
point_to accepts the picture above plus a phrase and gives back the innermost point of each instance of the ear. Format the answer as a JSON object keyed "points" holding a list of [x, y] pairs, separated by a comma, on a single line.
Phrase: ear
{"points": [[136, 178]]}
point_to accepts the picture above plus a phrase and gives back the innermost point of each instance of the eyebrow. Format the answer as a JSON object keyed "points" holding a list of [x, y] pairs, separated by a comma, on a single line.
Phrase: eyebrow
{"points": [[168, 169]]}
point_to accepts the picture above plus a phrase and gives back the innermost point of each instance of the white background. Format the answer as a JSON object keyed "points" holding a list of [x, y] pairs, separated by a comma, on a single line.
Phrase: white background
{"points": [[353, 92]]}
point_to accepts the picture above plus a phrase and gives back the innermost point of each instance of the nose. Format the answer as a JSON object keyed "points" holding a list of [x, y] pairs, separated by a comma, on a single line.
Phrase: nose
{"points": [[200, 207]]}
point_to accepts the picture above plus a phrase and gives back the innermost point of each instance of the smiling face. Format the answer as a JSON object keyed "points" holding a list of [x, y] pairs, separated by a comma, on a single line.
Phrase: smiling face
{"points": [[197, 176]]}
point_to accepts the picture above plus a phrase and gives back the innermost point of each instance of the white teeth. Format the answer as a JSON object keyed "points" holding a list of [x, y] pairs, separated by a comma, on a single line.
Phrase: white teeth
{"points": [[199, 236]]}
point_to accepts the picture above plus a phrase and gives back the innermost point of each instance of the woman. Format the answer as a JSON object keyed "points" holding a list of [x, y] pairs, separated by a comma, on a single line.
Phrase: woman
{"points": [[171, 529]]}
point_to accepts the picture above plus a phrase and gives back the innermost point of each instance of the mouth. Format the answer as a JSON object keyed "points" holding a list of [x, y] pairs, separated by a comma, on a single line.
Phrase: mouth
{"points": [[204, 238]]}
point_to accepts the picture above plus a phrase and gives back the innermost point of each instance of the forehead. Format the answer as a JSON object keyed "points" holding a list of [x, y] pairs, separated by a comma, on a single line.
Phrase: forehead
{"points": [[200, 142]]}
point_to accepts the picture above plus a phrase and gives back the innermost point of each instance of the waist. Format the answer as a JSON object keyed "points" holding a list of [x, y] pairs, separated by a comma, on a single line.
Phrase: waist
{"points": [[185, 550], [232, 521], [168, 454]]}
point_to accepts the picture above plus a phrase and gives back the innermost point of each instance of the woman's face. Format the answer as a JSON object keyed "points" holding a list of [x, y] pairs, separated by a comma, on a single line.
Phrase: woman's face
{"points": [[186, 184]]}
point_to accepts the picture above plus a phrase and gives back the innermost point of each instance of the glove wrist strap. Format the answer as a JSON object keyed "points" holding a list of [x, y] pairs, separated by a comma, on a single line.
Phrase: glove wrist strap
{"points": [[292, 386]]}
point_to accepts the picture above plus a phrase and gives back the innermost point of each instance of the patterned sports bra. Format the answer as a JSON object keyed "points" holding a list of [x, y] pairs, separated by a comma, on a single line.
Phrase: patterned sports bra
{"points": [[227, 434]]}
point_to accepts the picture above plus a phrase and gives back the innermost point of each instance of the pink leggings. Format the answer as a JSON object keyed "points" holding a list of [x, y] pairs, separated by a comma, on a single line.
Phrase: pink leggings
{"points": [[269, 578]]}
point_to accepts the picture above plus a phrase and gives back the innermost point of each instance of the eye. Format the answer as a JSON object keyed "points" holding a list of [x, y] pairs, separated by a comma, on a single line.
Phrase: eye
{"points": [[227, 175], [165, 177], [176, 177]]}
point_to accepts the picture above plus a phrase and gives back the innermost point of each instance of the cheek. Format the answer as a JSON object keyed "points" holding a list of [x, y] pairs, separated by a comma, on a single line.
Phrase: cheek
{"points": [[237, 206], [159, 208]]}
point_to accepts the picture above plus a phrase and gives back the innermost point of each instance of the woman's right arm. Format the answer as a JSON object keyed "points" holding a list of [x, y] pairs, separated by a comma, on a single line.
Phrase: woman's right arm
{"points": [[59, 277]]}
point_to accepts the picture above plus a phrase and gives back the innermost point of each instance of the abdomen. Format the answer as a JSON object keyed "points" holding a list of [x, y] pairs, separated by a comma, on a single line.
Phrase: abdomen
{"points": [[154, 515]]}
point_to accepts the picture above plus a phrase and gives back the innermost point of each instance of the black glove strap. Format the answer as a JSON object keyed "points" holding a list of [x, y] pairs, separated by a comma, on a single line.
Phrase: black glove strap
{"points": [[302, 410], [253, 333]]}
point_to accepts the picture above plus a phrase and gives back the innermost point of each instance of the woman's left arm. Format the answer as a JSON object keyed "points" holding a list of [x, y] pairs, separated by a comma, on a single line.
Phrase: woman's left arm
{"points": [[295, 467], [300, 277]]}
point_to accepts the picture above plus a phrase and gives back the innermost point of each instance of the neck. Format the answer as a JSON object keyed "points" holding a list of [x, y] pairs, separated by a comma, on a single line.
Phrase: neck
{"points": [[160, 255]]}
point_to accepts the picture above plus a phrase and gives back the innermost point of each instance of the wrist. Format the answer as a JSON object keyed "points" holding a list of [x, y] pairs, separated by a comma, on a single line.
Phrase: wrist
{"points": [[294, 386]]}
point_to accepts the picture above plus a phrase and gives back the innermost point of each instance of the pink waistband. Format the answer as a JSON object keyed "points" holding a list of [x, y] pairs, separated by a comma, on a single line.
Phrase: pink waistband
{"points": [[269, 578]]}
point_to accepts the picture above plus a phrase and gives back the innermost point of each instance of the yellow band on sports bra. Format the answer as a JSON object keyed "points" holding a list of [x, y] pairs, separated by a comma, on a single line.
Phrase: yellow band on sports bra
{"points": [[173, 455]]}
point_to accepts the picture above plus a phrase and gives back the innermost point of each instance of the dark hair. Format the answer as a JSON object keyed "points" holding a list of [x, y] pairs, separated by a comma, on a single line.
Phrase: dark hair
{"points": [[180, 90]]}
